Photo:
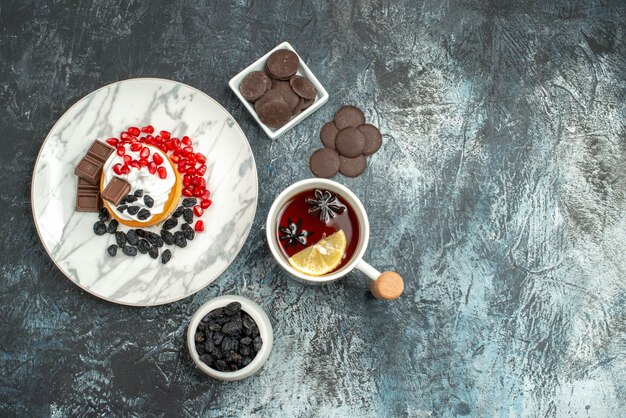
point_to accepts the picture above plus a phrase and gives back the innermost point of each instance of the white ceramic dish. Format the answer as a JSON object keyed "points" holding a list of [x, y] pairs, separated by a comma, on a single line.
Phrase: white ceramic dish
{"points": [[68, 235], [320, 99], [265, 331]]}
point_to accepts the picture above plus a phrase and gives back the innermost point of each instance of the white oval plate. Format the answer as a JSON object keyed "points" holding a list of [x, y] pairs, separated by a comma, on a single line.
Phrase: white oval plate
{"points": [[68, 235]]}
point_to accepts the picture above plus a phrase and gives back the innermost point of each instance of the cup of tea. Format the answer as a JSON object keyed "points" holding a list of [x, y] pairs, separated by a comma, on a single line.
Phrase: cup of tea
{"points": [[318, 231]]}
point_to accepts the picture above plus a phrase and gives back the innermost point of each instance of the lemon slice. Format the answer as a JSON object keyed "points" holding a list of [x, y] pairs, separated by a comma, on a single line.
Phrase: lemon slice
{"points": [[322, 257]]}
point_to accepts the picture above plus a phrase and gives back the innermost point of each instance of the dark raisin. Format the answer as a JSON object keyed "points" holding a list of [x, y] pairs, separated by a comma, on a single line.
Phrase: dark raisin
{"points": [[130, 198], [112, 250], [143, 246], [234, 357], [218, 337], [99, 228], [244, 350], [120, 238], [246, 361], [258, 343], [179, 239], [122, 208], [178, 212], [103, 215], [143, 214], [233, 327], [129, 251], [138, 193], [170, 223], [221, 366], [200, 349], [232, 308], [167, 236], [207, 359], [248, 322], [212, 349], [229, 344], [188, 215], [154, 252], [132, 210], [201, 326], [149, 201], [199, 337], [189, 202], [214, 326], [132, 237], [155, 239], [187, 231], [166, 256], [141, 233], [112, 228], [246, 341]]}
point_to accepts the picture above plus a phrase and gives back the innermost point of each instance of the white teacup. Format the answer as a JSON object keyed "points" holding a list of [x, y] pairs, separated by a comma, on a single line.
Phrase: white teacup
{"points": [[388, 285]]}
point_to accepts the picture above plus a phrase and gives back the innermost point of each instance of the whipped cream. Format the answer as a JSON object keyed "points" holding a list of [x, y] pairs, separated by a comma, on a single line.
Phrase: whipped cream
{"points": [[140, 179]]}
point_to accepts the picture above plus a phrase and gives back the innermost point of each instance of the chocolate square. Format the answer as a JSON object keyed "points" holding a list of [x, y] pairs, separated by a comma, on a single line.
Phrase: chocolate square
{"points": [[116, 190], [89, 169], [100, 151]]}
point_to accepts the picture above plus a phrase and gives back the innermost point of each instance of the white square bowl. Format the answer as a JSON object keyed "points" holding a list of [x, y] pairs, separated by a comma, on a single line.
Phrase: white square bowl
{"points": [[259, 65]]}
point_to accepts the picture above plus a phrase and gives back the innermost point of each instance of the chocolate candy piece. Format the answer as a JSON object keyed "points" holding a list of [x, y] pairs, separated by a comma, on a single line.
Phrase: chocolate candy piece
{"points": [[116, 190], [254, 85], [324, 163], [285, 90], [328, 134], [100, 151], [87, 197], [352, 167], [303, 87], [349, 116], [282, 64], [89, 169], [373, 138], [274, 113], [267, 97], [349, 142]]}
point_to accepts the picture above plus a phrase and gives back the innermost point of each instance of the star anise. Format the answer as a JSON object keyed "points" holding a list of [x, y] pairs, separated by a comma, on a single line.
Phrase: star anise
{"points": [[326, 204], [293, 235]]}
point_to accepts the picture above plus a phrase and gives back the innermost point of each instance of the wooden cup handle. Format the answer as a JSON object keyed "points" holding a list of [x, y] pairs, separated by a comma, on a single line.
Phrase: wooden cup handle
{"points": [[388, 286]]}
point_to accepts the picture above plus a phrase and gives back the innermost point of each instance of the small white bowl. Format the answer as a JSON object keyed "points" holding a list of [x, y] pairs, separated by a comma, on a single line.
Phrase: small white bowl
{"points": [[258, 65], [265, 331]]}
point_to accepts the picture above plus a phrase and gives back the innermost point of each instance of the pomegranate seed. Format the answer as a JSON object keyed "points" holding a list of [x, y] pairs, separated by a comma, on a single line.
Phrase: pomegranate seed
{"points": [[148, 129], [135, 164], [145, 152], [143, 162], [113, 142], [186, 181], [205, 203], [197, 191], [165, 134], [148, 138], [152, 168], [198, 210], [186, 140], [117, 168], [121, 151], [194, 180], [127, 159], [162, 172], [158, 160], [182, 169], [177, 143], [200, 158], [199, 227], [187, 191], [202, 182], [201, 170], [175, 158], [170, 145], [205, 194], [191, 171], [188, 150], [135, 146], [125, 136], [125, 169], [134, 131]]}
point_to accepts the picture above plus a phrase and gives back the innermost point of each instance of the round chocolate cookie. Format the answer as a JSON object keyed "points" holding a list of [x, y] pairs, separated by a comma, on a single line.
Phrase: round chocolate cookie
{"points": [[285, 90], [373, 138], [303, 87], [254, 85], [324, 163], [307, 103], [349, 116], [267, 97], [274, 113], [349, 142], [282, 64], [328, 134], [352, 167]]}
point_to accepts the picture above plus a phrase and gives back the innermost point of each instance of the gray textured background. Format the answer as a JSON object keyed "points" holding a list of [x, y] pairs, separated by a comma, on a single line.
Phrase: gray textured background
{"points": [[499, 195]]}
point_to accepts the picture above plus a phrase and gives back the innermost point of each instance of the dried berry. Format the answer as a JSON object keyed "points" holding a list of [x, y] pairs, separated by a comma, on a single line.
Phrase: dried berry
{"points": [[120, 238], [112, 228], [170, 223], [187, 231], [112, 250], [221, 366], [218, 337], [122, 208], [167, 236], [166, 256], [138, 193], [130, 199], [207, 359], [244, 350], [178, 212], [132, 238], [189, 202], [129, 251], [99, 228], [148, 200], [234, 357], [188, 215], [258, 343], [143, 246], [179, 239], [132, 210], [154, 252], [103, 215], [141, 233], [232, 308], [154, 239], [143, 214], [200, 349], [246, 361], [246, 341], [233, 327], [228, 345]]}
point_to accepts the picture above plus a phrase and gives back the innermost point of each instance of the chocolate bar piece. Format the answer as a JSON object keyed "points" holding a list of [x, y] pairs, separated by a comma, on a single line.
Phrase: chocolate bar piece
{"points": [[87, 197], [85, 186], [100, 151], [89, 169], [116, 190]]}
